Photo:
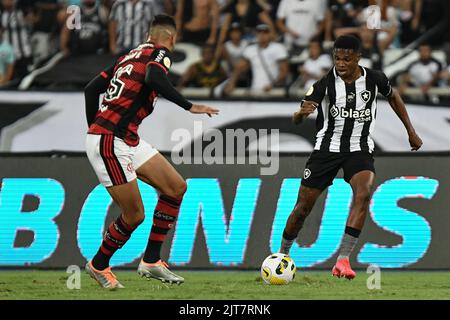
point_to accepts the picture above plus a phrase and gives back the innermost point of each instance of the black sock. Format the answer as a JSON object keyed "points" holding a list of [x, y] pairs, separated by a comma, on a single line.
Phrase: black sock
{"points": [[101, 260], [154, 255], [164, 218], [114, 238], [352, 231]]}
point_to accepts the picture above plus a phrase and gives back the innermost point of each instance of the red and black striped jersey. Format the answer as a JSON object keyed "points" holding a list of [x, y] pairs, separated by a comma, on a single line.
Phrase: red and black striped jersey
{"points": [[128, 99]]}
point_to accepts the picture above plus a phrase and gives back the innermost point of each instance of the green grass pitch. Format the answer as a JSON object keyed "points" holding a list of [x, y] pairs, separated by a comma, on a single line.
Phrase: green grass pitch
{"points": [[234, 285]]}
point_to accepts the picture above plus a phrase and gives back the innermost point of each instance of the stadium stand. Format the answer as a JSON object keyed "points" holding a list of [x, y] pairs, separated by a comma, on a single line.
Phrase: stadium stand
{"points": [[60, 45]]}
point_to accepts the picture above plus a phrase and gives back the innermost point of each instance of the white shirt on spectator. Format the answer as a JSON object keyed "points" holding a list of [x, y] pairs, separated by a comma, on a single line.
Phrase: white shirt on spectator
{"points": [[317, 67], [272, 54], [423, 73], [301, 17], [235, 52]]}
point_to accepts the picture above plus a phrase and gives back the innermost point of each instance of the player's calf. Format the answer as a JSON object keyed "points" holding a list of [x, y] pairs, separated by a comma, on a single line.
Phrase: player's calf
{"points": [[115, 237], [164, 218]]}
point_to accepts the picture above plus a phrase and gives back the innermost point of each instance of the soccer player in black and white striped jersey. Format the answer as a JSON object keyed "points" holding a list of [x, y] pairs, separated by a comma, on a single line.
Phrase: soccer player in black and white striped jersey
{"points": [[17, 34], [346, 101]]}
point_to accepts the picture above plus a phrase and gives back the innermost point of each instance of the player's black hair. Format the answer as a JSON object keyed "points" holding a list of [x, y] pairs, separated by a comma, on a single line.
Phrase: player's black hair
{"points": [[163, 20], [348, 42]]}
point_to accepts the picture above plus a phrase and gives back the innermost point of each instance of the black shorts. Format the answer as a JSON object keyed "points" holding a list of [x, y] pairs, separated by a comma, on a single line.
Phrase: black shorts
{"points": [[322, 167]]}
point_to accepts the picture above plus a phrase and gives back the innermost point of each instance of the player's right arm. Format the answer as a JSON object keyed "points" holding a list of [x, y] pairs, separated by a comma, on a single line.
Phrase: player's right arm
{"points": [[92, 92], [311, 101]]}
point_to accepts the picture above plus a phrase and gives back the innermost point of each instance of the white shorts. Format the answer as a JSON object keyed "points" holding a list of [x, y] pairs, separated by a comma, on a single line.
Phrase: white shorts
{"points": [[113, 160]]}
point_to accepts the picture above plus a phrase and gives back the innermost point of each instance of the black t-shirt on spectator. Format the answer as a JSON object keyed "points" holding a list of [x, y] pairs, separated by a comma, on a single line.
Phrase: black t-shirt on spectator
{"points": [[250, 19], [341, 18]]}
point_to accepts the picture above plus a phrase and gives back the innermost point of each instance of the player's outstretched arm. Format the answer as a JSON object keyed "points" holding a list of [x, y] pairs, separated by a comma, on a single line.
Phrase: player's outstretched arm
{"points": [[399, 108], [306, 108]]}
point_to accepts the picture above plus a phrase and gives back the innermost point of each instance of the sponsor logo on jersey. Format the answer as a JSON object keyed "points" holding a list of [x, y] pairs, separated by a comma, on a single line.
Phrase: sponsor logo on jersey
{"points": [[160, 56], [359, 115], [350, 97]]}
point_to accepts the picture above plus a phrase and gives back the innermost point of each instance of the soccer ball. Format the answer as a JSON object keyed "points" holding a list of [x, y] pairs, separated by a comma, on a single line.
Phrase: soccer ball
{"points": [[278, 268]]}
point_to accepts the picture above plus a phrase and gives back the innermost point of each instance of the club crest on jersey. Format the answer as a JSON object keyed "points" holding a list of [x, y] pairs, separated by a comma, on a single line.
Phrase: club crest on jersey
{"points": [[365, 96], [306, 174]]}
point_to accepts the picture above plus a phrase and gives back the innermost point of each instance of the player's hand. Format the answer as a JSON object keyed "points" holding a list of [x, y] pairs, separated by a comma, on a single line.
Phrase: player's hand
{"points": [[306, 109], [199, 108], [414, 141]]}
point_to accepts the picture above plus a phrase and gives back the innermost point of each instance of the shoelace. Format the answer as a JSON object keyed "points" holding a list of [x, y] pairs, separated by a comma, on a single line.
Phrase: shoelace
{"points": [[165, 264], [107, 273]]}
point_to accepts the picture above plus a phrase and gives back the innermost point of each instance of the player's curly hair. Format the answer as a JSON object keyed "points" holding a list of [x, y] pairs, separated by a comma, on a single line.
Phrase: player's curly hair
{"points": [[348, 42]]}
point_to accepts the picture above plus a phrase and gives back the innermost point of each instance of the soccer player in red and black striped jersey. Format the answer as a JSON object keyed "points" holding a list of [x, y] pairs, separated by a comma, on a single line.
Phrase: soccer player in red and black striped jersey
{"points": [[119, 156]]}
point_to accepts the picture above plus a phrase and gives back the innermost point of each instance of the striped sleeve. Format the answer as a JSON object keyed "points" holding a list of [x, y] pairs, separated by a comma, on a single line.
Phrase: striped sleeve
{"points": [[317, 91], [162, 58]]}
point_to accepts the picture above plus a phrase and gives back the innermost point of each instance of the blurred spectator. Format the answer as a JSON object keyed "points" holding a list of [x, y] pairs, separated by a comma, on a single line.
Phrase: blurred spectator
{"points": [[423, 73], [316, 66], [207, 73], [163, 6], [129, 23], [91, 37], [197, 21], [268, 61], [234, 47], [300, 21], [389, 21], [16, 28], [409, 17], [445, 76], [372, 47], [341, 14], [46, 28], [434, 14], [248, 13], [6, 60]]}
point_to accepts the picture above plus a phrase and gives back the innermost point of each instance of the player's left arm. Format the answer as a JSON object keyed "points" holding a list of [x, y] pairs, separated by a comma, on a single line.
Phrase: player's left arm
{"points": [[92, 92], [156, 78], [397, 104]]}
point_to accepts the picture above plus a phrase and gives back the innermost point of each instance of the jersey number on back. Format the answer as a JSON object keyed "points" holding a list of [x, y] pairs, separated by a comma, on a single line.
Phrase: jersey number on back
{"points": [[116, 85]]}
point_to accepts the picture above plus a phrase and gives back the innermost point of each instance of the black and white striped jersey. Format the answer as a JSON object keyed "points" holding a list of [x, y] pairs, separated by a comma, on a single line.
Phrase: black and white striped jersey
{"points": [[347, 111], [16, 32], [133, 21]]}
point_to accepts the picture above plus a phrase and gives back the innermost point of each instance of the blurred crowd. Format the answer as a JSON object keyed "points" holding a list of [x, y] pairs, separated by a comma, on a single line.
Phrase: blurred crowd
{"points": [[257, 44]]}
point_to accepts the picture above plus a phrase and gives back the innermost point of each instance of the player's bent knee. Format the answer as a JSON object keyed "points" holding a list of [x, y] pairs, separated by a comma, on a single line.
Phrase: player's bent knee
{"points": [[177, 190], [134, 216]]}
